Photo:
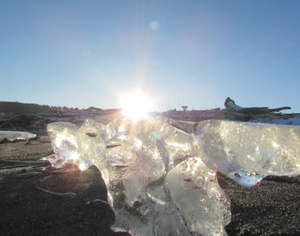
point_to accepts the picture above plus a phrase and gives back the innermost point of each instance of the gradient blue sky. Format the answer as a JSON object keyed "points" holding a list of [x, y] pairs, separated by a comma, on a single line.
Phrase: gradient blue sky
{"points": [[181, 52]]}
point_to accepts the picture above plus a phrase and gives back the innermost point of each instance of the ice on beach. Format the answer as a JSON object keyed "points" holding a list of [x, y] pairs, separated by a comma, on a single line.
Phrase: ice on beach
{"points": [[161, 174], [15, 135], [65, 140], [247, 152]]}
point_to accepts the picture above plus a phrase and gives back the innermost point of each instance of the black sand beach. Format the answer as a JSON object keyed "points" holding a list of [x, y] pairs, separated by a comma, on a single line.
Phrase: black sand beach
{"points": [[269, 208]]}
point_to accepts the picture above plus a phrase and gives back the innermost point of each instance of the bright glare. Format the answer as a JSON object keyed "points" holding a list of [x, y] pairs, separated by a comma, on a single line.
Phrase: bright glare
{"points": [[136, 106]]}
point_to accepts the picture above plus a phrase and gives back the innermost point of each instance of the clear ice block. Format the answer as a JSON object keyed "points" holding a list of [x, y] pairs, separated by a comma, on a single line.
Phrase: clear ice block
{"points": [[161, 174]]}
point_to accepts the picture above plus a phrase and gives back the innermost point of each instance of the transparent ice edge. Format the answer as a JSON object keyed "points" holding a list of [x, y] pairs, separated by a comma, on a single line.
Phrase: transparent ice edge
{"points": [[161, 174]]}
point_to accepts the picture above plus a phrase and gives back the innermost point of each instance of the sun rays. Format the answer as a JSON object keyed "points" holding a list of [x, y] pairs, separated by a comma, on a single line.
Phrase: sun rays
{"points": [[136, 105]]}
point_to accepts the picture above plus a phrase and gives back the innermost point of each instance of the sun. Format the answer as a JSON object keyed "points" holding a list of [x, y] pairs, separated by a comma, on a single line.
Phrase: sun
{"points": [[136, 106]]}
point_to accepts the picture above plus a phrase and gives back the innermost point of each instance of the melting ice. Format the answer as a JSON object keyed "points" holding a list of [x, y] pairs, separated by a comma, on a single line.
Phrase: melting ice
{"points": [[161, 174]]}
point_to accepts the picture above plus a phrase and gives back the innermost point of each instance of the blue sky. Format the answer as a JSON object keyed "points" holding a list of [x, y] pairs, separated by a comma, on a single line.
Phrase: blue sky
{"points": [[195, 53]]}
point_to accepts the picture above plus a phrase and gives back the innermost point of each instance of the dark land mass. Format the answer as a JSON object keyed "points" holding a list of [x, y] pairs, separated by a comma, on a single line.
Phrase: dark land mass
{"points": [[269, 208]]}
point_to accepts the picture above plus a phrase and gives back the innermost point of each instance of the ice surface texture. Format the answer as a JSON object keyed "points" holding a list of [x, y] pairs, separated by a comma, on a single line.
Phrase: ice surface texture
{"points": [[161, 174]]}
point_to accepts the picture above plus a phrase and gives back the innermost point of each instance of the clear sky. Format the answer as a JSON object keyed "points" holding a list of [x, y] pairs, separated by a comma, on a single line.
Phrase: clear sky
{"points": [[82, 53]]}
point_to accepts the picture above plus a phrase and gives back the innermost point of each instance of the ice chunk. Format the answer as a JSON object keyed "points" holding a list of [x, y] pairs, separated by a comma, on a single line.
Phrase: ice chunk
{"points": [[161, 174], [247, 152], [198, 197], [67, 146], [15, 135]]}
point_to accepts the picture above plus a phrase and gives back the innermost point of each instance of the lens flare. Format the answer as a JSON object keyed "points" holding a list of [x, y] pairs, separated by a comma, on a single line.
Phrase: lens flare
{"points": [[136, 106]]}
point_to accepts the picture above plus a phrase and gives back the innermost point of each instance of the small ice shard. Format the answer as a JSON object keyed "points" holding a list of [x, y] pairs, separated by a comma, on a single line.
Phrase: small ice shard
{"points": [[161, 174], [15, 135]]}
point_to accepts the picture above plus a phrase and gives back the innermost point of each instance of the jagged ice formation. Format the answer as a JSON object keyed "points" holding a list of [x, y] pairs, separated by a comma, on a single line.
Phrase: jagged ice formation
{"points": [[161, 174]]}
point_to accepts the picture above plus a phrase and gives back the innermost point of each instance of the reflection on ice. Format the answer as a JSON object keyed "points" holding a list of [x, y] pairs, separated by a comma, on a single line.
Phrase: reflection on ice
{"points": [[161, 174]]}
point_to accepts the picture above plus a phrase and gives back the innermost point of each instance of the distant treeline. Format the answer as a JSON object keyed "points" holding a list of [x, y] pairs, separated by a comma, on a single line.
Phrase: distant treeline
{"points": [[16, 107]]}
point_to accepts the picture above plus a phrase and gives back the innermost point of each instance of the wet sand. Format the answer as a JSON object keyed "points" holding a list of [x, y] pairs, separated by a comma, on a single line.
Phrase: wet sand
{"points": [[269, 208]]}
